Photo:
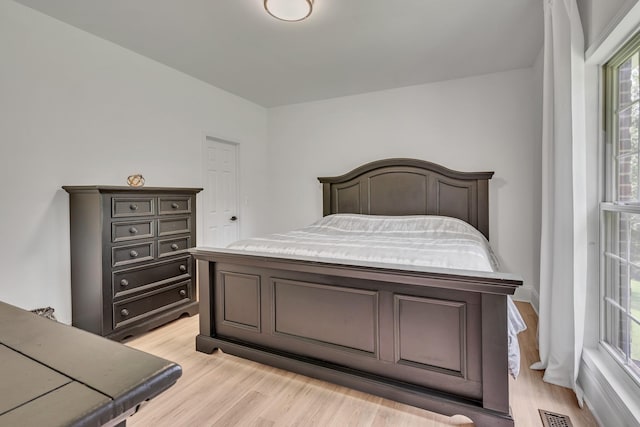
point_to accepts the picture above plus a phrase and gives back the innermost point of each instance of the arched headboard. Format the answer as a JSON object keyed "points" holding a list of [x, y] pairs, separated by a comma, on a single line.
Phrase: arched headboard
{"points": [[410, 187]]}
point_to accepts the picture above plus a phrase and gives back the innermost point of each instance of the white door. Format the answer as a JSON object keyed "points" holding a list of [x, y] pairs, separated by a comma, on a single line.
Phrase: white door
{"points": [[220, 194]]}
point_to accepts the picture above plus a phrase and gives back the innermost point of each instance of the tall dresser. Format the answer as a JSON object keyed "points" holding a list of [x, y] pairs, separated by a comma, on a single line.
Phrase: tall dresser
{"points": [[130, 266]]}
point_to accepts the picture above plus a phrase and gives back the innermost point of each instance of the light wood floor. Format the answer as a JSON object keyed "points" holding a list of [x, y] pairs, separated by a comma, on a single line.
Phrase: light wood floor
{"points": [[223, 390]]}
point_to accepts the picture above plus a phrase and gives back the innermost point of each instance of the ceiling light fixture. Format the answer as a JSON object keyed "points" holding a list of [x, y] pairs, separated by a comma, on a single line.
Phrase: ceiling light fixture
{"points": [[289, 10]]}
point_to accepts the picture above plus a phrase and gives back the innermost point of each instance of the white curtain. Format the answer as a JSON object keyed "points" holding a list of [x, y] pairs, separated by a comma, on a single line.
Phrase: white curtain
{"points": [[563, 249]]}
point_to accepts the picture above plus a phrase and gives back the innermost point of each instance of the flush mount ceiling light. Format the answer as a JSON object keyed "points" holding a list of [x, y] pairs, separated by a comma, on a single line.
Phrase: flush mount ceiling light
{"points": [[289, 10]]}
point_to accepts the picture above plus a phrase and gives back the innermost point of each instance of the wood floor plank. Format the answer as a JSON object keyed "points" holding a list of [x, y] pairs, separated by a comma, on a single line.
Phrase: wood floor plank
{"points": [[223, 390]]}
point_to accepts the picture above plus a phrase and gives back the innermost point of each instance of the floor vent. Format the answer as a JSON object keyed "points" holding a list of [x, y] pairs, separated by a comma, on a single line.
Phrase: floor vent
{"points": [[551, 419]]}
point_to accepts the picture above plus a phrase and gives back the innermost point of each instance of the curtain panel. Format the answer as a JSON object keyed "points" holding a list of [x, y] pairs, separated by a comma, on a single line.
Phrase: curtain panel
{"points": [[563, 248]]}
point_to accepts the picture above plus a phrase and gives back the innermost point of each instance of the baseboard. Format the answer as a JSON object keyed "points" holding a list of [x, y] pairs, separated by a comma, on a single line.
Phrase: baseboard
{"points": [[609, 395], [535, 301]]}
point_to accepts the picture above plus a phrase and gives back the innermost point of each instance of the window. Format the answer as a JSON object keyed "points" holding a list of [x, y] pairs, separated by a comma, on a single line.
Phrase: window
{"points": [[620, 312]]}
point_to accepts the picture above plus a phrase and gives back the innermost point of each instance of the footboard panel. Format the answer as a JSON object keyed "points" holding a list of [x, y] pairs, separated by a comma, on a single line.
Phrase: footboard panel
{"points": [[420, 335], [342, 318], [415, 338]]}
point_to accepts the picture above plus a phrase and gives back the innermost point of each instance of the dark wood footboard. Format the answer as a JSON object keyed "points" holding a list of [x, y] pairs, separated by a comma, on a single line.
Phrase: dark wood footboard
{"points": [[425, 337]]}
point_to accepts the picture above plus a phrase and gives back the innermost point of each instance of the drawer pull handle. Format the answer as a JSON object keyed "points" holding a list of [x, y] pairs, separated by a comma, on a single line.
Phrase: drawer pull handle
{"points": [[175, 246], [174, 205], [133, 207], [183, 268], [133, 230], [124, 312], [124, 283], [133, 254], [183, 293]]}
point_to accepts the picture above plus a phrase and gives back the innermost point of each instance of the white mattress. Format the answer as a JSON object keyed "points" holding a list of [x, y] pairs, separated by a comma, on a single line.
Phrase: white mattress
{"points": [[431, 241]]}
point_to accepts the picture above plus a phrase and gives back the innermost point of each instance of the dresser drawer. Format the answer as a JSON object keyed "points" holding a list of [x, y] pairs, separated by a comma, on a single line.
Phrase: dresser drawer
{"points": [[132, 230], [126, 282], [174, 205], [128, 206], [170, 247], [138, 308], [123, 255], [168, 226]]}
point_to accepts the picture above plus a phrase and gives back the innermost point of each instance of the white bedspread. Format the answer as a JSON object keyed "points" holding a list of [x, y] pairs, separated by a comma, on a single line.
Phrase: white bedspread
{"points": [[431, 241]]}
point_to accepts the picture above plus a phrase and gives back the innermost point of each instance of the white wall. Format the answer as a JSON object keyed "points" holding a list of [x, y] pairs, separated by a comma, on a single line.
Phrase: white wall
{"points": [[489, 122], [78, 110]]}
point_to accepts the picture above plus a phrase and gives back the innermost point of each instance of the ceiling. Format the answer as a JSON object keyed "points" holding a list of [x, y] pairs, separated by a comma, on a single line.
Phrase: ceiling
{"points": [[346, 47]]}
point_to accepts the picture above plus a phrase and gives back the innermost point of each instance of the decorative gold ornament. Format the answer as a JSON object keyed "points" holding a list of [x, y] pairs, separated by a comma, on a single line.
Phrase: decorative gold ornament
{"points": [[136, 180]]}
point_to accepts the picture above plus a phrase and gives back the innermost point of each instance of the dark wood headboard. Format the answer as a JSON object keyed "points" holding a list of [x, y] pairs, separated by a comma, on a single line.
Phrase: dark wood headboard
{"points": [[410, 187]]}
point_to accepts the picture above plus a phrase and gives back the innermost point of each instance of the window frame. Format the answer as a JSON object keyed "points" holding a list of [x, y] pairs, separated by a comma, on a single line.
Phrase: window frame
{"points": [[610, 208]]}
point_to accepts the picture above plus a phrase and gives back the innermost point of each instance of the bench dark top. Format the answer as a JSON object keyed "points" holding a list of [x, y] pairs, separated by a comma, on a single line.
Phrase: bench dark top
{"points": [[54, 374]]}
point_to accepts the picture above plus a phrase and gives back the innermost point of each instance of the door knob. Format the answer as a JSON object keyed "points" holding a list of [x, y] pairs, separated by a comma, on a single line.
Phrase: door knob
{"points": [[234, 218]]}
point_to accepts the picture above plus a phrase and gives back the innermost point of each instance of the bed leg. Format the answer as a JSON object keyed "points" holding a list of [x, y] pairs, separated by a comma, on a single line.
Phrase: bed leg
{"points": [[205, 296], [495, 365], [205, 344]]}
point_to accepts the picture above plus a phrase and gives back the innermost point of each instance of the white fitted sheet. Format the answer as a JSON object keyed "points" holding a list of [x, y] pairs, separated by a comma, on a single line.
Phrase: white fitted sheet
{"points": [[431, 241]]}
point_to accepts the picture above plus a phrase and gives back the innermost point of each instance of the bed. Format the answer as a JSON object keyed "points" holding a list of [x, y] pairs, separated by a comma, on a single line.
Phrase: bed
{"points": [[423, 334]]}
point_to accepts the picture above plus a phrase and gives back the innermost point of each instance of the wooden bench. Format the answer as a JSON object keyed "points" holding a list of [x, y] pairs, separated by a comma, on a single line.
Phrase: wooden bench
{"points": [[56, 375]]}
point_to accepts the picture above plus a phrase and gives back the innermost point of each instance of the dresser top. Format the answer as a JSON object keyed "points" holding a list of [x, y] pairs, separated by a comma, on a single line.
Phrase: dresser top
{"points": [[124, 189]]}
